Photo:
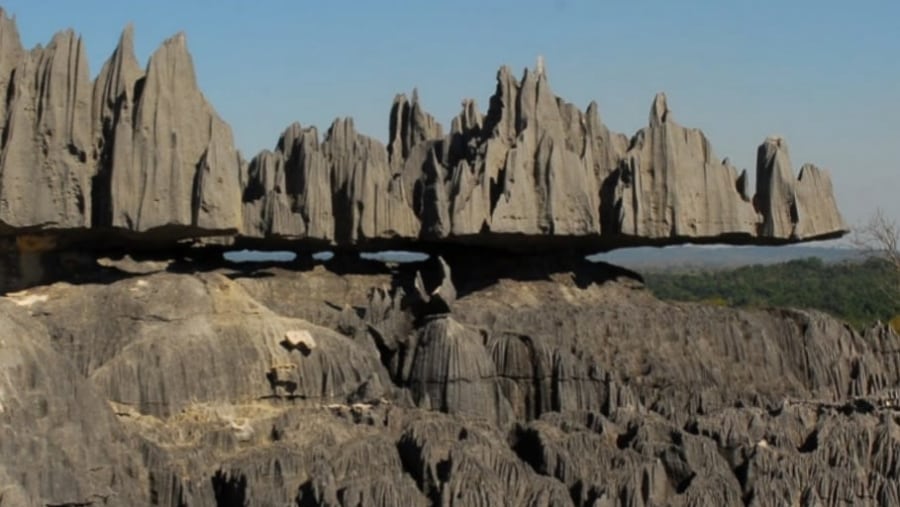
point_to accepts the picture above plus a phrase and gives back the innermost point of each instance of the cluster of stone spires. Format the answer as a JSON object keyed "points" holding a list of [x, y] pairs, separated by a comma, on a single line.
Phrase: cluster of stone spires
{"points": [[139, 156]]}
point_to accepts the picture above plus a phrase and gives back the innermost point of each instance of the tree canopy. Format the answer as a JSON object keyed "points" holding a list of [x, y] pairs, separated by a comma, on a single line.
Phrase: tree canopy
{"points": [[859, 293]]}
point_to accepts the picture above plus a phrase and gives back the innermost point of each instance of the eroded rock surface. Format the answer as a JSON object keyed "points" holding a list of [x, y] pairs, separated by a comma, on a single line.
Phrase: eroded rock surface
{"points": [[466, 379], [45, 164], [543, 382], [177, 168], [60, 443], [140, 160]]}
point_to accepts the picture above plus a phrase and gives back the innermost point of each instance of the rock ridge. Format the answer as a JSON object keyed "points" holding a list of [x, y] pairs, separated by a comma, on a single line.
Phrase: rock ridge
{"points": [[140, 159], [524, 382]]}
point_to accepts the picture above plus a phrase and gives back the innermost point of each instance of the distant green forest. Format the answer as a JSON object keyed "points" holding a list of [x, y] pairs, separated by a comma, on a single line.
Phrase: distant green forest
{"points": [[859, 293]]}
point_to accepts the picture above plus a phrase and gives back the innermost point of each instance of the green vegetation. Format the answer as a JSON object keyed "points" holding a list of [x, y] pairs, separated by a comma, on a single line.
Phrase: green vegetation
{"points": [[857, 292]]}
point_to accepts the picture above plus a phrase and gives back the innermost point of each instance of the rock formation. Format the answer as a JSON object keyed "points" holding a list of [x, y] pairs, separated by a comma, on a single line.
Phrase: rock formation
{"points": [[535, 379], [791, 208], [45, 169], [171, 163], [575, 387], [139, 159], [59, 441], [672, 185]]}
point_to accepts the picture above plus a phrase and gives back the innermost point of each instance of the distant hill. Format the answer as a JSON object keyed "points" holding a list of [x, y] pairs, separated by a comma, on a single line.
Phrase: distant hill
{"points": [[719, 257]]}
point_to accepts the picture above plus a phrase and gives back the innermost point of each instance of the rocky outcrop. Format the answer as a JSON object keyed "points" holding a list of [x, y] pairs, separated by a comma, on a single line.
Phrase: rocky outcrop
{"points": [[139, 159], [672, 185], [530, 171], [177, 168], [129, 360], [541, 383], [45, 164], [792, 208], [136, 151], [60, 443], [338, 191], [410, 125], [533, 380]]}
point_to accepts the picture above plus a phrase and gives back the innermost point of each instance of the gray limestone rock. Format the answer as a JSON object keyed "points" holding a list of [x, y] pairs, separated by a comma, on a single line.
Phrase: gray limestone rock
{"points": [[139, 151], [288, 192], [133, 334], [11, 55], [115, 90], [46, 162], [545, 181], [59, 441], [142, 160], [457, 462], [538, 169], [177, 168], [362, 472], [340, 190], [792, 208], [539, 387], [369, 203], [410, 125], [452, 372], [531, 381], [437, 294], [672, 185]]}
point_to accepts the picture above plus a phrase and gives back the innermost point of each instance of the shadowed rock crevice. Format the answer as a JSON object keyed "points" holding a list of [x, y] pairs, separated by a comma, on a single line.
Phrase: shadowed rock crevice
{"points": [[230, 491]]}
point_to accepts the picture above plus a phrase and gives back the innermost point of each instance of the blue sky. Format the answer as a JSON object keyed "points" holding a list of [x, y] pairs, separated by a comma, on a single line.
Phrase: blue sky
{"points": [[826, 75]]}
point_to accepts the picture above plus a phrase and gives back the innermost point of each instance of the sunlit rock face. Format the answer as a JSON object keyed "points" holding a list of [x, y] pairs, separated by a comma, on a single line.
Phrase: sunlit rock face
{"points": [[140, 158]]}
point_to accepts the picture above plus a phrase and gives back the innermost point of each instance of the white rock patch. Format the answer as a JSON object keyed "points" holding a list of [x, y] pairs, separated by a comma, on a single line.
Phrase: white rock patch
{"points": [[23, 298], [299, 339]]}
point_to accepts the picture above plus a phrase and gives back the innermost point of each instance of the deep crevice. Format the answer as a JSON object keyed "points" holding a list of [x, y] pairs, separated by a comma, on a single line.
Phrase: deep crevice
{"points": [[229, 491], [810, 444], [526, 443], [625, 439]]}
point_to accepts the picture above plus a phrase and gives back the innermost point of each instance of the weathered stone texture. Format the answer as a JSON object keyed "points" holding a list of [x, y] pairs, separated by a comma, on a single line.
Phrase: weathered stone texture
{"points": [[140, 158]]}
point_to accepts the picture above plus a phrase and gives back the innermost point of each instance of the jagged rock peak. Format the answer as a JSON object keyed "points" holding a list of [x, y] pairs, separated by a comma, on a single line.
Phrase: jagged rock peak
{"points": [[143, 159], [10, 54], [410, 125], [659, 112], [289, 138], [10, 43], [181, 170], [794, 208], [45, 164], [114, 88], [119, 73], [469, 119], [673, 185], [123, 57]]}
